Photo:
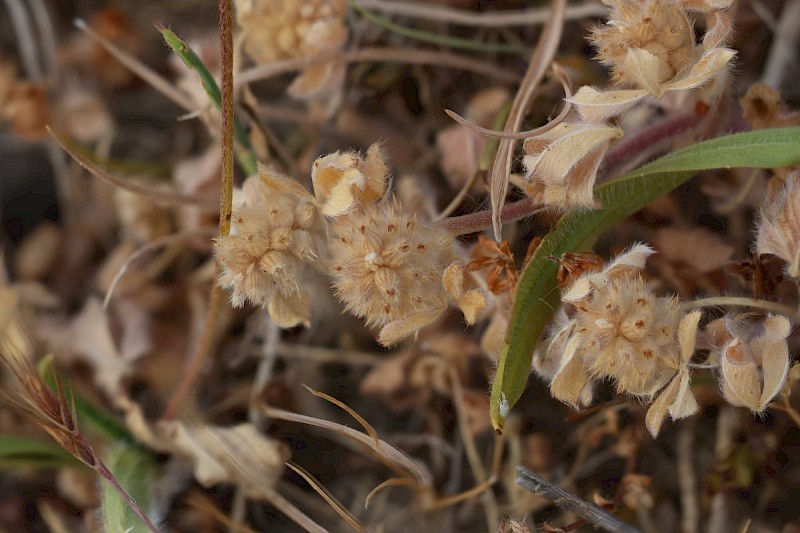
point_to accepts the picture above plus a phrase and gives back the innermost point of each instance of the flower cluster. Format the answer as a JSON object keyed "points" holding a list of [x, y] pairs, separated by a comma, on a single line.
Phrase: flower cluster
{"points": [[650, 46], [275, 231], [386, 266], [275, 29]]}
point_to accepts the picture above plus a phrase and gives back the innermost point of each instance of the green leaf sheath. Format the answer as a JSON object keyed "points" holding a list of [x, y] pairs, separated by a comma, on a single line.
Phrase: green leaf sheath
{"points": [[245, 155], [136, 471], [537, 295]]}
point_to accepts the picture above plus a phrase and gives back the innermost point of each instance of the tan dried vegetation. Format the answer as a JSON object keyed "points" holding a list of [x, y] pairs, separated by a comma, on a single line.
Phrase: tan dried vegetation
{"points": [[389, 292]]}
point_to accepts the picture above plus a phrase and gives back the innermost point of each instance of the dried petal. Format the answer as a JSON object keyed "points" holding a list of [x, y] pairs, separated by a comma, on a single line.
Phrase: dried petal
{"points": [[562, 163], [599, 106], [709, 65], [344, 181], [397, 330]]}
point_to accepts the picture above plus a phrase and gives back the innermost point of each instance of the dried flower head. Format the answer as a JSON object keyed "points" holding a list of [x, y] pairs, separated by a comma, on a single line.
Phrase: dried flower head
{"points": [[562, 163], [754, 359], [275, 230], [276, 29], [343, 181], [650, 45], [778, 231], [389, 268], [620, 330]]}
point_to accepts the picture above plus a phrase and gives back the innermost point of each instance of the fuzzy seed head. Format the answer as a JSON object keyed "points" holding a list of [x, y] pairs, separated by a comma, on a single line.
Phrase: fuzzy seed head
{"points": [[386, 265], [276, 29], [627, 334], [274, 232], [661, 28]]}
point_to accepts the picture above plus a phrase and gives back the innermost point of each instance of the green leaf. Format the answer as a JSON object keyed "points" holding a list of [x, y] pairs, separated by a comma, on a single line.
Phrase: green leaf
{"points": [[537, 295], [28, 452], [136, 471], [245, 154]]}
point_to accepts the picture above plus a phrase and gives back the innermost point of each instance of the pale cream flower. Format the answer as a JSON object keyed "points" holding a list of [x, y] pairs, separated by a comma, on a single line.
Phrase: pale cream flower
{"points": [[562, 163], [275, 230], [754, 361], [344, 180], [650, 45], [276, 29], [392, 270], [620, 330], [779, 226]]}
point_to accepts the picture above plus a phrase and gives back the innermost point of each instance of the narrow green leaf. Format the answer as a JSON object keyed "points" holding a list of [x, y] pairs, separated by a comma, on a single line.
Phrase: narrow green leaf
{"points": [[16, 451], [245, 154], [136, 471], [537, 295]]}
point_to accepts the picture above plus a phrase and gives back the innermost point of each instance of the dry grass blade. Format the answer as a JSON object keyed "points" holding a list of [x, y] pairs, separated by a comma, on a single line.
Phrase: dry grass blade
{"points": [[542, 57], [157, 194], [392, 482], [337, 506], [409, 56], [360, 419], [384, 452], [206, 505], [139, 68], [562, 76]]}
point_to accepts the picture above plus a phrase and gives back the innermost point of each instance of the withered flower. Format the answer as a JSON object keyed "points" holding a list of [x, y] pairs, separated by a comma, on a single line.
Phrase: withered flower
{"points": [[754, 360], [390, 268], [562, 163], [650, 45], [275, 230], [779, 226], [343, 181]]}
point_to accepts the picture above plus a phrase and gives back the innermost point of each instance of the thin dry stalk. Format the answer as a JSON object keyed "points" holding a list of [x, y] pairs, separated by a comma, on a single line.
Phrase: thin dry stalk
{"points": [[741, 301], [567, 501], [203, 349], [137, 67], [410, 56], [335, 504], [540, 62], [158, 195], [488, 19]]}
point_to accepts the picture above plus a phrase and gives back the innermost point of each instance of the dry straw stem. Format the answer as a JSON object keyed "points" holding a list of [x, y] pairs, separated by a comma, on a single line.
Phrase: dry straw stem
{"points": [[335, 504], [500, 19], [139, 68], [203, 348], [540, 62], [158, 194], [411, 56], [741, 301], [567, 501]]}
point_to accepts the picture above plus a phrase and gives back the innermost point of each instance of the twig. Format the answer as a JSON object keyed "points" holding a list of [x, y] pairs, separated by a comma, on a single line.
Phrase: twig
{"points": [[501, 19], [411, 56], [540, 61], [783, 55], [740, 301], [570, 502]]}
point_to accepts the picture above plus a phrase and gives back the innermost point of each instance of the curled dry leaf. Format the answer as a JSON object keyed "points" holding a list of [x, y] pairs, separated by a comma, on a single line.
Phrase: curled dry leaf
{"points": [[562, 163]]}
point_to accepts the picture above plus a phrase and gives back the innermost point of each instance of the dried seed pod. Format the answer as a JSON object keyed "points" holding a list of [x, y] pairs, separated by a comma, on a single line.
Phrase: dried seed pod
{"points": [[778, 231], [344, 181]]}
